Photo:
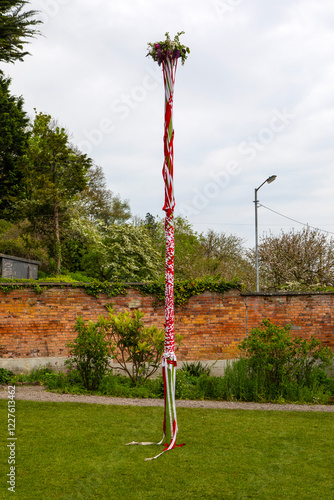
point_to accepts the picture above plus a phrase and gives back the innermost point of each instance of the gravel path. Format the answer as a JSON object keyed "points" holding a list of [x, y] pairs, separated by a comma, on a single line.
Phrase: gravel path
{"points": [[38, 393]]}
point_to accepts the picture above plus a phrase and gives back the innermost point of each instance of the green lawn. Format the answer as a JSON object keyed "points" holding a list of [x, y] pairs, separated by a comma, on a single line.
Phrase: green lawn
{"points": [[76, 451]]}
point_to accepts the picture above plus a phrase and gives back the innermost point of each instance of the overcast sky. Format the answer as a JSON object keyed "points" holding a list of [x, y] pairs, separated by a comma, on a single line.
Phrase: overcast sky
{"points": [[255, 98]]}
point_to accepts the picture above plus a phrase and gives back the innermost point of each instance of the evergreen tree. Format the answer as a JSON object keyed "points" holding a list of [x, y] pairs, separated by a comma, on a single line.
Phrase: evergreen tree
{"points": [[13, 143], [16, 27]]}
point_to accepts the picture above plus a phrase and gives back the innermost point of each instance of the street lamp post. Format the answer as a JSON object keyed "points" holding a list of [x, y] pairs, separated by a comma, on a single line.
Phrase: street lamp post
{"points": [[269, 180]]}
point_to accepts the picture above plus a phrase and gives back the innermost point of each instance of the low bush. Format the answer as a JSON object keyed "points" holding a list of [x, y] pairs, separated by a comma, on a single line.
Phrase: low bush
{"points": [[5, 376], [89, 353], [195, 369], [275, 357], [138, 349], [277, 367], [122, 386], [241, 383]]}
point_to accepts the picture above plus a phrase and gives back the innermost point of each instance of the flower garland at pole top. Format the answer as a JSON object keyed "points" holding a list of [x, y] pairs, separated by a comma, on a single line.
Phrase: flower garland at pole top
{"points": [[166, 54]]}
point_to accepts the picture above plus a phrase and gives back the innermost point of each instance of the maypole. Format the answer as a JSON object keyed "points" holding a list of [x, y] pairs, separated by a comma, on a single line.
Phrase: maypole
{"points": [[166, 54]]}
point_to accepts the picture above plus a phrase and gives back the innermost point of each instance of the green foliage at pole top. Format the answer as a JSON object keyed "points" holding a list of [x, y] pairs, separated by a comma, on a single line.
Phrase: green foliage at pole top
{"points": [[168, 49], [16, 26]]}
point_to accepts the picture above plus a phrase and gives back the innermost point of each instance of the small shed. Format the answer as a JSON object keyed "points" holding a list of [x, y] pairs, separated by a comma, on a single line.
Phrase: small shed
{"points": [[18, 268]]}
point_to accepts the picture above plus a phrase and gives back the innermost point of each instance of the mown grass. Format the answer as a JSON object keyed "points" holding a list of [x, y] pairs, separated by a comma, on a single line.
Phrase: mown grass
{"points": [[76, 451]]}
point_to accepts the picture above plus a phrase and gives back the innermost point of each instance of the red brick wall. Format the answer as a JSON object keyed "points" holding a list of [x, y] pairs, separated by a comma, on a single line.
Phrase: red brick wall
{"points": [[212, 325]]}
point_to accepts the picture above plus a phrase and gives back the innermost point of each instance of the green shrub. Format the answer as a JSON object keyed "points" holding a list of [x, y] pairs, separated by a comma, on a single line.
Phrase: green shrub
{"points": [[5, 226], [183, 385], [280, 368], [210, 388], [134, 344], [69, 383], [79, 276], [195, 369], [309, 357], [5, 376], [122, 386], [90, 352], [276, 357], [38, 374]]}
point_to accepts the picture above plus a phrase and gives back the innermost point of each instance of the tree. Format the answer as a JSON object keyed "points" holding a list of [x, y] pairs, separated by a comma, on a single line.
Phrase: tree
{"points": [[152, 226], [100, 203], [79, 237], [199, 255], [126, 254], [14, 240], [13, 142], [300, 258], [224, 254], [16, 27], [89, 215], [186, 244], [54, 173]]}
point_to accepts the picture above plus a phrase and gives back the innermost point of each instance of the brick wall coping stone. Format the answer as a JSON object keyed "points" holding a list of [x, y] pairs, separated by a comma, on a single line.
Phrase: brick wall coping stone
{"points": [[78, 284], [65, 283]]}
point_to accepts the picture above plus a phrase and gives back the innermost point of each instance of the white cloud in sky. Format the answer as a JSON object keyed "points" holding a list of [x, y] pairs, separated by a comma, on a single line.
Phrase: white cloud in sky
{"points": [[256, 90]]}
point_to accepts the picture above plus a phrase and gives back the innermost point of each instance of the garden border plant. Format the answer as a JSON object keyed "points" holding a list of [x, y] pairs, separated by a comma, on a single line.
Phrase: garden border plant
{"points": [[137, 348], [90, 352], [275, 365], [134, 344]]}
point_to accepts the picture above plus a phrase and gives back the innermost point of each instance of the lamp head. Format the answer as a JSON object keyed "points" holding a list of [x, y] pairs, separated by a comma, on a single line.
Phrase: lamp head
{"points": [[271, 179]]}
